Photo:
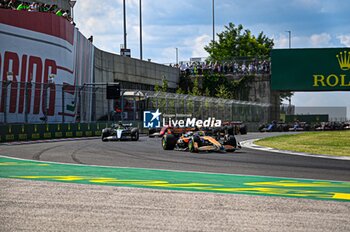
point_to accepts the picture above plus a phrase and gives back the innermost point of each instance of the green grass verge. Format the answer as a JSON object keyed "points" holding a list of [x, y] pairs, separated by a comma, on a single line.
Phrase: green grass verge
{"points": [[335, 143]]}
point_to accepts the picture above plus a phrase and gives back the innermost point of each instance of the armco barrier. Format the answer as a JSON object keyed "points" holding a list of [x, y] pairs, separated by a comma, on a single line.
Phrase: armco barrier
{"points": [[23, 132]]}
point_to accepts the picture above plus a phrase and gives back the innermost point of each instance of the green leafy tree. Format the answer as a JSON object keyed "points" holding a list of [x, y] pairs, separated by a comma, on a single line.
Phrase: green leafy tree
{"points": [[156, 87], [238, 42], [195, 90], [222, 92], [211, 82], [163, 88], [180, 91], [165, 85], [234, 42], [207, 92]]}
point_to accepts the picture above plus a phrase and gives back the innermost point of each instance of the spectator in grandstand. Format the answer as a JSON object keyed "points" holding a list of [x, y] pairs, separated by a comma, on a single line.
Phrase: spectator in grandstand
{"points": [[13, 4], [44, 7], [296, 125], [251, 68], [23, 6], [34, 7], [66, 15], [59, 12], [3, 4], [248, 66], [53, 8]]}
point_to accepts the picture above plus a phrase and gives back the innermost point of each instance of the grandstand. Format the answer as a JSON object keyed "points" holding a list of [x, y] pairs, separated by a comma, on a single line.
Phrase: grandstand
{"points": [[61, 4]]}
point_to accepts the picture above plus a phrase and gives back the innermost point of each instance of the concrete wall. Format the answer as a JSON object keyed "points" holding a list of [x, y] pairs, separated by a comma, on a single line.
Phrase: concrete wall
{"points": [[110, 67], [260, 91], [131, 73]]}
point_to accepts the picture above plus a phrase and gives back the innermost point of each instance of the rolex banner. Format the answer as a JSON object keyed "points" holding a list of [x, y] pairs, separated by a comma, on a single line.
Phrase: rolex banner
{"points": [[326, 69]]}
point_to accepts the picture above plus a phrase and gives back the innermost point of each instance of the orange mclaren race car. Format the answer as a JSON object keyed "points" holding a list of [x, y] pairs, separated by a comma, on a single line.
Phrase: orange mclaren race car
{"points": [[196, 141]]}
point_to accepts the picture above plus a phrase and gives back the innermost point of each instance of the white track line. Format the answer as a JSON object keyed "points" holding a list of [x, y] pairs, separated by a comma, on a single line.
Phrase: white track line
{"points": [[250, 144]]}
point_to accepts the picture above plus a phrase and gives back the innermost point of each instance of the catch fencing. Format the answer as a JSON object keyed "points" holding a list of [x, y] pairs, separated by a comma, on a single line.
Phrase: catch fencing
{"points": [[202, 107], [54, 103]]}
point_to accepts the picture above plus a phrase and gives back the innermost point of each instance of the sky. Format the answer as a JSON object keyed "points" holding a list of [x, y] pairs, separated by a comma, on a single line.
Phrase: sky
{"points": [[184, 27]]}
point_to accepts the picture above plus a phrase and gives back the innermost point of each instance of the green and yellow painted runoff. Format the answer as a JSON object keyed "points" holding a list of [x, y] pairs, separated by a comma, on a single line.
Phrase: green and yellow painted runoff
{"points": [[175, 180]]}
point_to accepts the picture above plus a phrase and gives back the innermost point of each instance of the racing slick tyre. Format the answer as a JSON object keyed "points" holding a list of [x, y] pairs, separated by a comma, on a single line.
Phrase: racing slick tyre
{"points": [[216, 133], [243, 129], [191, 146], [262, 128], [151, 131], [135, 135], [105, 134], [280, 128], [231, 140], [168, 142], [231, 130]]}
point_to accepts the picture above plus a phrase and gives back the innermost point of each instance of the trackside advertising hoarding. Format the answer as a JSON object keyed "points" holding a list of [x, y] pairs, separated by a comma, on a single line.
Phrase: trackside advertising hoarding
{"points": [[319, 69], [43, 52]]}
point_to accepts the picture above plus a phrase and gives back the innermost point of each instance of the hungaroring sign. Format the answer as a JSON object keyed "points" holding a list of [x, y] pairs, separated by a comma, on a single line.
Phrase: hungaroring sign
{"points": [[318, 69]]}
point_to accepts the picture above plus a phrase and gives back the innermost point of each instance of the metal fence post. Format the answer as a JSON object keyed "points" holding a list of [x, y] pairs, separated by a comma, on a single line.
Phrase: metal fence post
{"points": [[122, 106], [5, 101], [63, 103], [185, 106], [26, 100], [175, 106], [166, 104], [44, 87], [134, 99]]}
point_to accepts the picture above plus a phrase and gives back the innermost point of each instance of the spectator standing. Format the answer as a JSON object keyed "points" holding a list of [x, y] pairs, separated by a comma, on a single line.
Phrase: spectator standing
{"points": [[59, 12], [66, 15], [53, 8], [23, 6], [44, 7], [34, 7], [13, 4]]}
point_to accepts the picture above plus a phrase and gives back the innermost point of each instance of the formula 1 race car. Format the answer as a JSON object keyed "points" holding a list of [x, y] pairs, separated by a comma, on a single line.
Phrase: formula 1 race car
{"points": [[238, 127], [120, 132], [196, 141], [274, 127]]}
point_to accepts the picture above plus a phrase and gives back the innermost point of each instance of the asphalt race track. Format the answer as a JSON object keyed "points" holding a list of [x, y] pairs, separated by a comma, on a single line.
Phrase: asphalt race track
{"points": [[148, 153], [32, 205]]}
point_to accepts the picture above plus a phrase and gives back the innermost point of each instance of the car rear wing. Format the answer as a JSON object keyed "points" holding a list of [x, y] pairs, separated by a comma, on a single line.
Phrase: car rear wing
{"points": [[179, 130], [127, 124]]}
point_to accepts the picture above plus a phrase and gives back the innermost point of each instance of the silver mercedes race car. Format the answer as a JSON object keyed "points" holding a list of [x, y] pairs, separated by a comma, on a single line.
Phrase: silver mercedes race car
{"points": [[120, 132]]}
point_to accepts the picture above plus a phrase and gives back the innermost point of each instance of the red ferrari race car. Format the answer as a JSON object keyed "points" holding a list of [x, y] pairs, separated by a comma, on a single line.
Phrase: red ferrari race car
{"points": [[189, 139]]}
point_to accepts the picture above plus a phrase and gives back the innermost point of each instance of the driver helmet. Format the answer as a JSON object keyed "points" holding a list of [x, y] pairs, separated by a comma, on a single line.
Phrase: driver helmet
{"points": [[190, 133], [120, 124]]}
